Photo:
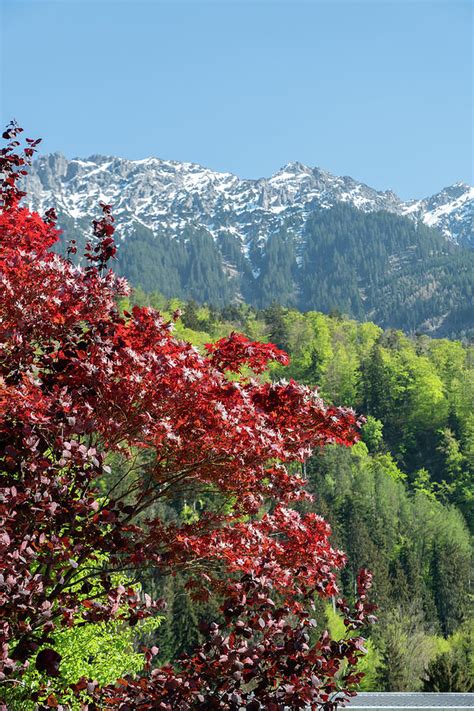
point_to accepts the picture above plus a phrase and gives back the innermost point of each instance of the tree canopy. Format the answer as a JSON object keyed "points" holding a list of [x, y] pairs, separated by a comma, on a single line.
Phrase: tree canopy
{"points": [[105, 416]]}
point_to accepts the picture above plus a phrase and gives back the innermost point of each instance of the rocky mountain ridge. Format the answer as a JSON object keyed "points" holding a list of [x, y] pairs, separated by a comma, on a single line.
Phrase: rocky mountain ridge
{"points": [[302, 238], [169, 195]]}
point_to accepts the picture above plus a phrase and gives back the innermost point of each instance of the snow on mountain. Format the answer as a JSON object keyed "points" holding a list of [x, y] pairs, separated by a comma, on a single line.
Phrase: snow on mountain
{"points": [[167, 196], [451, 211]]}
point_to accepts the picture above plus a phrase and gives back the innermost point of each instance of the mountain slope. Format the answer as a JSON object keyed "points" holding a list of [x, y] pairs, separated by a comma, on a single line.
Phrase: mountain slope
{"points": [[303, 237]]}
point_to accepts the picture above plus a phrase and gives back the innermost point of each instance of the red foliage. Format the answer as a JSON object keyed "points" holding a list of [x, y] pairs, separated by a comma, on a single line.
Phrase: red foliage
{"points": [[81, 385], [235, 351]]}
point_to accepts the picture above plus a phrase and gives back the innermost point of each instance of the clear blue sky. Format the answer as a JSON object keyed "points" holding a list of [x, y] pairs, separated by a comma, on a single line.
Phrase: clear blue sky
{"points": [[378, 90]]}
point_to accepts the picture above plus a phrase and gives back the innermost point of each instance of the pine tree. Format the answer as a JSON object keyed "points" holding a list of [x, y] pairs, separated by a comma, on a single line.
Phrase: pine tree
{"points": [[185, 620], [391, 673], [448, 672], [450, 576]]}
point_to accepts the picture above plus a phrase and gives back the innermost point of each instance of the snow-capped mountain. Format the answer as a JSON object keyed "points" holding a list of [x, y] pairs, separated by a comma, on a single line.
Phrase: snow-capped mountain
{"points": [[168, 195], [302, 237], [450, 211]]}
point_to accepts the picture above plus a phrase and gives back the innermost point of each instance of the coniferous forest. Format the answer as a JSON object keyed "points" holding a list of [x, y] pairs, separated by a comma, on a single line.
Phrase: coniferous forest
{"points": [[371, 266]]}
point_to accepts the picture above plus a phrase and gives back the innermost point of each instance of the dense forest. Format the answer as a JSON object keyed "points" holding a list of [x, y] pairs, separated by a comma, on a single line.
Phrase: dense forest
{"points": [[372, 266], [399, 502]]}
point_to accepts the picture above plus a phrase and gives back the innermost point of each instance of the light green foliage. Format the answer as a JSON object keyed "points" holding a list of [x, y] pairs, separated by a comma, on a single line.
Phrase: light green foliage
{"points": [[452, 668], [199, 338], [428, 405], [369, 665], [386, 464], [320, 350], [422, 483], [341, 379], [406, 650], [189, 514], [335, 623], [372, 434], [101, 651]]}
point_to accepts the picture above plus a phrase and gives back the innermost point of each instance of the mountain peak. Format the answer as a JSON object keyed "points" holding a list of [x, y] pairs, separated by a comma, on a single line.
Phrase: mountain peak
{"points": [[294, 166], [302, 236], [166, 194]]}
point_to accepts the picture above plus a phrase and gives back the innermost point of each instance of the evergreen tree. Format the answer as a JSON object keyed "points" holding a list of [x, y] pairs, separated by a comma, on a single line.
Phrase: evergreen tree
{"points": [[449, 672], [185, 620], [405, 651], [278, 332], [391, 672], [190, 316], [450, 577]]}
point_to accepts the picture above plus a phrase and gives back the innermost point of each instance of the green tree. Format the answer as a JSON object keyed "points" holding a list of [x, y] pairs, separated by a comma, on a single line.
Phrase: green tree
{"points": [[102, 651], [451, 569], [406, 649], [372, 434], [453, 668]]}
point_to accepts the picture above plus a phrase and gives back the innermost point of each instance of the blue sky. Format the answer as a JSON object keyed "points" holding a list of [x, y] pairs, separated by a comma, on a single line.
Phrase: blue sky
{"points": [[378, 90]]}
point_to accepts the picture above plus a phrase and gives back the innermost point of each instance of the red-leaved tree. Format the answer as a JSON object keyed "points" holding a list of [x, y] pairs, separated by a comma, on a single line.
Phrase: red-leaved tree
{"points": [[84, 388]]}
